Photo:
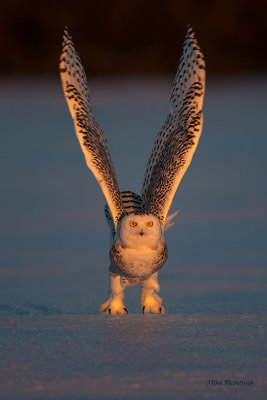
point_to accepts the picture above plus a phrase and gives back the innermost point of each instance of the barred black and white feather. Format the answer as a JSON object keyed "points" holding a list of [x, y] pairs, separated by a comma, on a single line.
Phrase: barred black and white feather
{"points": [[131, 201], [92, 139], [179, 136]]}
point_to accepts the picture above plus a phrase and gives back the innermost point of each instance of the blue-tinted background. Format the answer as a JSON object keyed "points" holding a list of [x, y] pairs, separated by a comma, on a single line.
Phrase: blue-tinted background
{"points": [[54, 237], [54, 248]]}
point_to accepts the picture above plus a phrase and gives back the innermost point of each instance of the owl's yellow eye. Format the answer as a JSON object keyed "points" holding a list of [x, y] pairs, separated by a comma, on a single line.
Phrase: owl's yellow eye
{"points": [[132, 223], [150, 223]]}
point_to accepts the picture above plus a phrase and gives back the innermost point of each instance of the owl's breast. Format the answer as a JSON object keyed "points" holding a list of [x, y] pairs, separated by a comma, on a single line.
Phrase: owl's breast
{"points": [[141, 262]]}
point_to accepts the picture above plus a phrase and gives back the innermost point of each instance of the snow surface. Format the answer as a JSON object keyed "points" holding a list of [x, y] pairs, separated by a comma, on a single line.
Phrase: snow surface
{"points": [[54, 344]]}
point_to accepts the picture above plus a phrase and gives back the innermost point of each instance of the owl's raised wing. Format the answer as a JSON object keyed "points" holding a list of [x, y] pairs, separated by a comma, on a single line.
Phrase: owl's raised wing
{"points": [[179, 136], [92, 139]]}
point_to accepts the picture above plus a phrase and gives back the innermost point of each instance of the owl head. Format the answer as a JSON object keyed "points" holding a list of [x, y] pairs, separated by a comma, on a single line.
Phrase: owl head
{"points": [[140, 229]]}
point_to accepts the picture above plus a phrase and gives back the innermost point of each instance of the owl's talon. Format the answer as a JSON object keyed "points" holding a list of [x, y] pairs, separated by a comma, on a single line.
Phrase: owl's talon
{"points": [[113, 306], [152, 304]]}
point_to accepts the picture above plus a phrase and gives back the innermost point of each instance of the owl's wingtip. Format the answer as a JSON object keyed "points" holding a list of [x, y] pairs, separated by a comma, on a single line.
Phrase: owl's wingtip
{"points": [[66, 30], [66, 35], [190, 31], [189, 27]]}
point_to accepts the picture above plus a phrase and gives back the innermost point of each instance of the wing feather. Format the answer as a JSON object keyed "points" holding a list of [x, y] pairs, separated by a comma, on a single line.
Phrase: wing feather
{"points": [[179, 136], [92, 139]]}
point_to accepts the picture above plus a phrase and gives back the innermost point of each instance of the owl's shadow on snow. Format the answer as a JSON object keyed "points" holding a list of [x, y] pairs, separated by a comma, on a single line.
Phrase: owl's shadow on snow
{"points": [[48, 310], [45, 310], [186, 308]]}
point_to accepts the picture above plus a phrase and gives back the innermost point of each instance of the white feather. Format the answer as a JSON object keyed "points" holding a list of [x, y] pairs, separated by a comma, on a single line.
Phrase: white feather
{"points": [[179, 136], [91, 138], [169, 220]]}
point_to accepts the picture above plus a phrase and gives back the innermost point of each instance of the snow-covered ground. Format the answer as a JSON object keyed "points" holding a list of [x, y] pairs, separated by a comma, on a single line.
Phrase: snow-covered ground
{"points": [[54, 250]]}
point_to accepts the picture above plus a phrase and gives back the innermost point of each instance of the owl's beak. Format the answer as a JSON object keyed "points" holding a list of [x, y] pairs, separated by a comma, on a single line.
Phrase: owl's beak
{"points": [[141, 233]]}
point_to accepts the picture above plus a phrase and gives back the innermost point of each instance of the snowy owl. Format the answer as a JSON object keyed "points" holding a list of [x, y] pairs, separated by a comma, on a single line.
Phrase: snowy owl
{"points": [[137, 222]]}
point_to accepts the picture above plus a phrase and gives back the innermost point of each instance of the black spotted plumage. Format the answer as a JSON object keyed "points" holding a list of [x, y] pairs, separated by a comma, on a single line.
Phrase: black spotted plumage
{"points": [[178, 138], [170, 158], [92, 139], [118, 266]]}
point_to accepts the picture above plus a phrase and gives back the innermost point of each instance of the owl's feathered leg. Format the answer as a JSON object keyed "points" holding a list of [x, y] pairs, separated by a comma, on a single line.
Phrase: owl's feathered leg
{"points": [[149, 299], [114, 303]]}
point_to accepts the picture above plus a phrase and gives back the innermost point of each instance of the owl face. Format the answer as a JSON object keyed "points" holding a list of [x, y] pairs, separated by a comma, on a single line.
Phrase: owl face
{"points": [[140, 230]]}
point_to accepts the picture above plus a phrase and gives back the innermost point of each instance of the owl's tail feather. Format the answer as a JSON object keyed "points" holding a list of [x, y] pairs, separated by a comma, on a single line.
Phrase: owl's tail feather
{"points": [[169, 221]]}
